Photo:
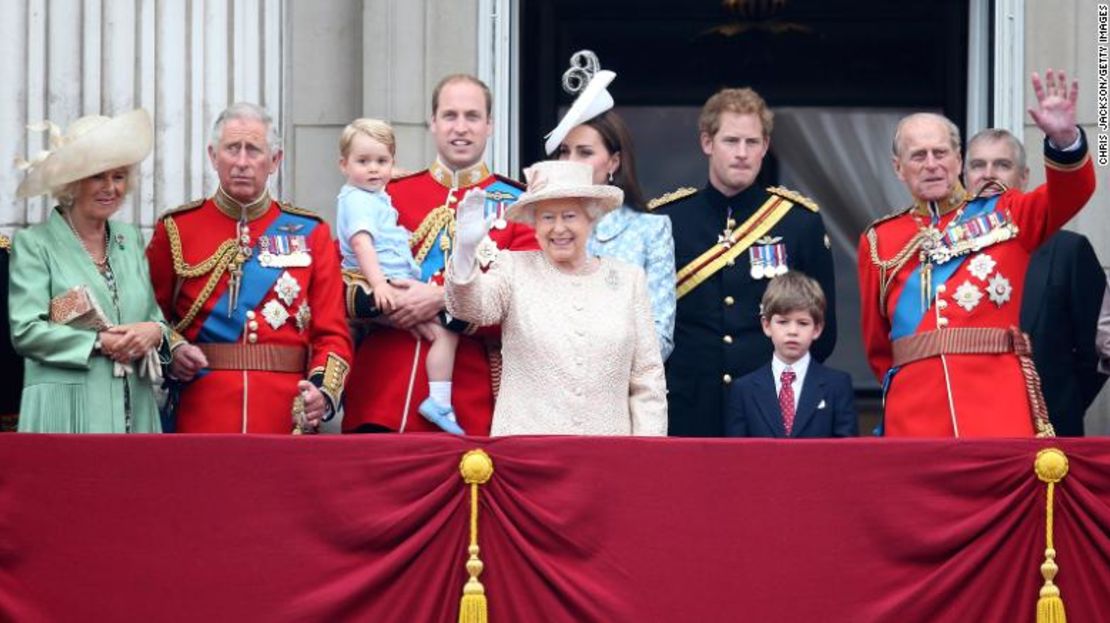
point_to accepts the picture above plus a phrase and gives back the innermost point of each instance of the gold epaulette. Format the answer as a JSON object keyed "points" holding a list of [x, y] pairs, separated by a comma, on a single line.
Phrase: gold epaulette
{"points": [[192, 205], [671, 197], [292, 209], [405, 176], [882, 219], [5, 242], [510, 181], [794, 196]]}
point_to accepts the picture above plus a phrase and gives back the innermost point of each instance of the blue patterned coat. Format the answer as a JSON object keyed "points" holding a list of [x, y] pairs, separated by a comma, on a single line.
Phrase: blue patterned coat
{"points": [[643, 240]]}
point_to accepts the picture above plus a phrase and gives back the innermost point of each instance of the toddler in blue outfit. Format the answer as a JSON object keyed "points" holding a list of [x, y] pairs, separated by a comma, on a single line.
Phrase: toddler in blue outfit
{"points": [[374, 243]]}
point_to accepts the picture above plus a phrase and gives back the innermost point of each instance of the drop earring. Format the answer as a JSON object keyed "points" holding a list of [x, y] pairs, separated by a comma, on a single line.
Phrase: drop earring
{"points": [[610, 177]]}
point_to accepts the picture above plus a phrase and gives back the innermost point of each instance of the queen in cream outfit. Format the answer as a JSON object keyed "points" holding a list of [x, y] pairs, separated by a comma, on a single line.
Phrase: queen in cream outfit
{"points": [[580, 355]]}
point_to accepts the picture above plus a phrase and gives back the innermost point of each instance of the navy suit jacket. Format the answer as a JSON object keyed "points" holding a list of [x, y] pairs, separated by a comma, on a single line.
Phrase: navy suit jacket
{"points": [[824, 409], [1059, 311]]}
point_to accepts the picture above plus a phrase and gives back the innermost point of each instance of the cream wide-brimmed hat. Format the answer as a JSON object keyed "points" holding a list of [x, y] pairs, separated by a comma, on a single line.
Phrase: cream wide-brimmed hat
{"points": [[591, 102], [563, 179], [90, 145]]}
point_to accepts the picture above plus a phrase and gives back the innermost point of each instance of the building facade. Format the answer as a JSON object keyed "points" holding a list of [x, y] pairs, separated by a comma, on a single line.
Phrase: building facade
{"points": [[318, 65]]}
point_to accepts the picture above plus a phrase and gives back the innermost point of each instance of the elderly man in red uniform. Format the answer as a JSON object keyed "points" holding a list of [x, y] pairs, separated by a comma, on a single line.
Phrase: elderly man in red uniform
{"points": [[941, 283], [254, 286], [389, 363]]}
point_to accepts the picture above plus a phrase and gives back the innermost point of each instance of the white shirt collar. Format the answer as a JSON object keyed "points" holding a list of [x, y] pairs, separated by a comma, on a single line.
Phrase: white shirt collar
{"points": [[800, 367]]}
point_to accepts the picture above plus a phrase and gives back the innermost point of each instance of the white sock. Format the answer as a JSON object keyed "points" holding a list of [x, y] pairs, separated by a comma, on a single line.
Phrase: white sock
{"points": [[440, 391]]}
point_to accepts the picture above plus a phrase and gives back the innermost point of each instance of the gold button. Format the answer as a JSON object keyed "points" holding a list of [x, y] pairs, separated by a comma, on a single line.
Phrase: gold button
{"points": [[252, 325], [727, 379], [252, 337], [941, 303], [941, 288], [729, 301], [730, 263], [250, 315], [730, 223], [727, 339], [942, 322]]}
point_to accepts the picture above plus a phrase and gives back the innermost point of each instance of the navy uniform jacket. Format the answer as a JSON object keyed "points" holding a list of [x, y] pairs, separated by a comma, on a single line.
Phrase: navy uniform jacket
{"points": [[1059, 311], [717, 332]]}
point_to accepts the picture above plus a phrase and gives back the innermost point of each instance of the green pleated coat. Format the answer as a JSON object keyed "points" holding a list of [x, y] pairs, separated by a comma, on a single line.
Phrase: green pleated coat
{"points": [[67, 388]]}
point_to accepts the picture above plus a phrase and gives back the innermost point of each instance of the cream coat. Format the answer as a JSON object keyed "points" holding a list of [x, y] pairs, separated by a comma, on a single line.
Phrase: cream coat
{"points": [[580, 354]]}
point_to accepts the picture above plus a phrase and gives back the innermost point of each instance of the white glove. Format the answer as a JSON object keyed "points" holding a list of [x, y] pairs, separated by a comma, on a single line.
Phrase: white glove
{"points": [[471, 226]]}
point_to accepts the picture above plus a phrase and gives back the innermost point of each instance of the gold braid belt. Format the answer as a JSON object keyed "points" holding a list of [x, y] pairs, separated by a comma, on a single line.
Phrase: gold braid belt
{"points": [[888, 269], [439, 219], [216, 265]]}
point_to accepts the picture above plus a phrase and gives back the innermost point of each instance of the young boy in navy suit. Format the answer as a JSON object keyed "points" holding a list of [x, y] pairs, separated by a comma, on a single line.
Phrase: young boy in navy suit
{"points": [[793, 395]]}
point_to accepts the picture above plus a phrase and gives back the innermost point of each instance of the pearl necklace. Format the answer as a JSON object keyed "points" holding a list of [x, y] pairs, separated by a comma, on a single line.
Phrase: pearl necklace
{"points": [[100, 264]]}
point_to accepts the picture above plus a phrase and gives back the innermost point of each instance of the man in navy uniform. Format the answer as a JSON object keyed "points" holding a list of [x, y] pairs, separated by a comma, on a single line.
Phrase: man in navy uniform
{"points": [[731, 237]]}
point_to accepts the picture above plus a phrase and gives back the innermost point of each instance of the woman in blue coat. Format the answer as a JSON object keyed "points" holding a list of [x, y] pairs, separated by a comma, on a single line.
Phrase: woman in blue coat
{"points": [[592, 133]]}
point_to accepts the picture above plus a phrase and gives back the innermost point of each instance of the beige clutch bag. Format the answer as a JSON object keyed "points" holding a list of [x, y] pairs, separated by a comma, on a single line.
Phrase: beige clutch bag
{"points": [[77, 307]]}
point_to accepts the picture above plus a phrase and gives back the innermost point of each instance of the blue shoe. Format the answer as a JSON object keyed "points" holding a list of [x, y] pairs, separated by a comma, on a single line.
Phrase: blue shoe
{"points": [[443, 417]]}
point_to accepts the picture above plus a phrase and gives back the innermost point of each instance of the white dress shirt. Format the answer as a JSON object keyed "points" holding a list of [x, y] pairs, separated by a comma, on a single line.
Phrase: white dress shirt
{"points": [[800, 367]]}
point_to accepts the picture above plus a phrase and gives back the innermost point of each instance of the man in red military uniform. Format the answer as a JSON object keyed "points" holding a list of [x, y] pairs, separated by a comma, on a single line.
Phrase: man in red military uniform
{"points": [[389, 363], [254, 286], [941, 283]]}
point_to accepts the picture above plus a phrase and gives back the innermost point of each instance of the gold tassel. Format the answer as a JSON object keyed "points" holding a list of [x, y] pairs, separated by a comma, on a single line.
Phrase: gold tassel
{"points": [[1051, 466], [476, 468]]}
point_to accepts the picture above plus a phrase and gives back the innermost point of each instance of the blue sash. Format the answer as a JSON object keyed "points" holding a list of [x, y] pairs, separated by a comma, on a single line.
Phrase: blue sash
{"points": [[908, 311], [499, 196], [256, 282]]}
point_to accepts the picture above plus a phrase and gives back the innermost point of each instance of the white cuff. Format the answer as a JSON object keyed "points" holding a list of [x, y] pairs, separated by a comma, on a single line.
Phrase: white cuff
{"points": [[1074, 146]]}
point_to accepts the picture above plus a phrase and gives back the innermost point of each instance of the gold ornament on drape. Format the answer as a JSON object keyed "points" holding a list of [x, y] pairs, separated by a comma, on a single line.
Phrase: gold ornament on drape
{"points": [[476, 468], [1050, 466]]}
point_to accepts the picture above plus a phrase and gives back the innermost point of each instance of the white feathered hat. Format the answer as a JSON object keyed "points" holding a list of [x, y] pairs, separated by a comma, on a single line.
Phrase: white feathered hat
{"points": [[90, 145]]}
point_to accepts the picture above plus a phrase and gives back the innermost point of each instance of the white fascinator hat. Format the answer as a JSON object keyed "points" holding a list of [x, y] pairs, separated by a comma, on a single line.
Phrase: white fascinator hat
{"points": [[586, 78]]}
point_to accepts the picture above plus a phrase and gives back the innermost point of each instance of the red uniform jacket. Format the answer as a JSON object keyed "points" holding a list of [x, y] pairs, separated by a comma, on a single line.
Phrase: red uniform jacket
{"points": [[390, 378], [288, 306], [960, 394]]}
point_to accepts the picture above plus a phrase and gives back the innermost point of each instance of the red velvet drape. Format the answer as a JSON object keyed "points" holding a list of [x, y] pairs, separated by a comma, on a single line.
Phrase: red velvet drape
{"points": [[374, 528]]}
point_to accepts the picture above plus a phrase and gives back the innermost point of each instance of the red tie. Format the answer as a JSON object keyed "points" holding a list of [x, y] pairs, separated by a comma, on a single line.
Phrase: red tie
{"points": [[786, 400]]}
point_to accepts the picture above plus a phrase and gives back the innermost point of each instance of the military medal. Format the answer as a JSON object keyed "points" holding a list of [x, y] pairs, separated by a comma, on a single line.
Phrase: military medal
{"points": [[265, 257], [287, 288], [298, 254], [981, 266], [495, 205], [284, 251], [780, 259], [968, 296], [757, 263], [275, 314], [303, 317], [999, 289]]}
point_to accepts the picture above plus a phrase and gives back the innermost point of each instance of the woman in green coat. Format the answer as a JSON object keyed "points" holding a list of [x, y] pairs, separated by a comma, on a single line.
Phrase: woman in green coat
{"points": [[80, 379]]}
